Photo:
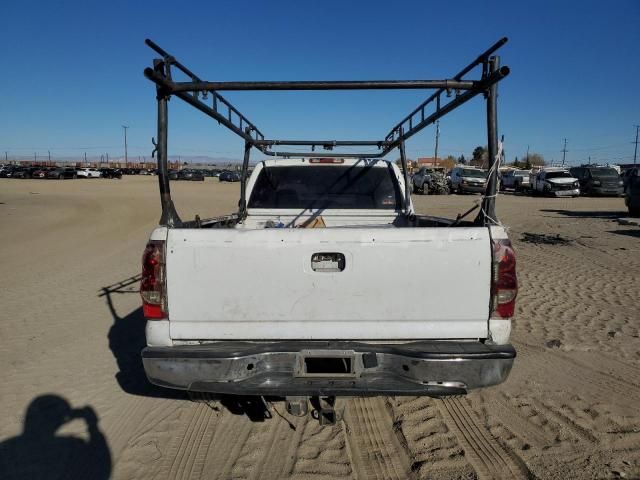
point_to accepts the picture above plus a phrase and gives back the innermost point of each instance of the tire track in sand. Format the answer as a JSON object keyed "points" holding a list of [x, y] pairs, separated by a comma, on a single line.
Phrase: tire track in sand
{"points": [[277, 461], [231, 433], [375, 450], [486, 455], [188, 451], [511, 418]]}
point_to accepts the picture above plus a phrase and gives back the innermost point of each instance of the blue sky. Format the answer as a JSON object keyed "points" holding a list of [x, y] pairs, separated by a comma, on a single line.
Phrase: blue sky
{"points": [[72, 72]]}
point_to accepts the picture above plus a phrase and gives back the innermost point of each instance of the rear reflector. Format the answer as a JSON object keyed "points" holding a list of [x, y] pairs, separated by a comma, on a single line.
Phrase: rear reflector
{"points": [[152, 311], [152, 285], [504, 285], [326, 160]]}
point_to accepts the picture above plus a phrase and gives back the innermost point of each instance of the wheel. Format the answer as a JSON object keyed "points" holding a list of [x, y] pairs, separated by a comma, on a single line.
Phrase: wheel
{"points": [[75, 176], [59, 176]]}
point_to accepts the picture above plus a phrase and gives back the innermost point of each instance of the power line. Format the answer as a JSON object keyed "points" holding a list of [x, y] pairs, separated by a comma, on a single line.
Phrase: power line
{"points": [[635, 152], [435, 158], [126, 159]]}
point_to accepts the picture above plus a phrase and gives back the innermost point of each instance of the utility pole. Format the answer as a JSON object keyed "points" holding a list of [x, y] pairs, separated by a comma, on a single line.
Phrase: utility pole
{"points": [[435, 159], [564, 151], [635, 152], [126, 158], [35, 157], [107, 158], [6, 156], [527, 156]]}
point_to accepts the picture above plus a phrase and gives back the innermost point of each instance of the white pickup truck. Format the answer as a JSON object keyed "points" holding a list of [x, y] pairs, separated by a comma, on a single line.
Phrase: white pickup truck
{"points": [[312, 291], [554, 181]]}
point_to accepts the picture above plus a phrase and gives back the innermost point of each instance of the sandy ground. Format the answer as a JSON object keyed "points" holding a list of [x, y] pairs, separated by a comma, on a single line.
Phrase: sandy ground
{"points": [[75, 403]]}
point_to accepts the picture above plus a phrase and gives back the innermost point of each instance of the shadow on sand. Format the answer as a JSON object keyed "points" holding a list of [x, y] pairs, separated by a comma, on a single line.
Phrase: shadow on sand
{"points": [[38, 453], [611, 215], [628, 233], [126, 341]]}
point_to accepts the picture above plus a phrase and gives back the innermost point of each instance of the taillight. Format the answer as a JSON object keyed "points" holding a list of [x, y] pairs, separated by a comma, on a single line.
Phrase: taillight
{"points": [[504, 285], [152, 285]]}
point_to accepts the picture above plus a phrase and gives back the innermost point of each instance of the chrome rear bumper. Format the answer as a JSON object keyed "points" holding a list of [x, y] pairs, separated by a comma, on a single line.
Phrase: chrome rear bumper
{"points": [[286, 368]]}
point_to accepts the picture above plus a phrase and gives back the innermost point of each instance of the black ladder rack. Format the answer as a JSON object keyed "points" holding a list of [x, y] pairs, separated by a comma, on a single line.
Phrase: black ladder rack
{"points": [[204, 96]]}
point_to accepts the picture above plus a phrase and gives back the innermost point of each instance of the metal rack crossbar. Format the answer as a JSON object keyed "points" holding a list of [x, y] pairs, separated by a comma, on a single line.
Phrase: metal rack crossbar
{"points": [[196, 93]]}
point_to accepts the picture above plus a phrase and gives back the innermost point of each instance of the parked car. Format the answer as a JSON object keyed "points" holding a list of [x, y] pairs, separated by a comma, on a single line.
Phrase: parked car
{"points": [[41, 172], [554, 181], [62, 173], [627, 174], [7, 171], [24, 172], [20, 172], [598, 180], [430, 180], [632, 194], [111, 173], [228, 176], [517, 180], [468, 180], [191, 174], [173, 174], [88, 173]]}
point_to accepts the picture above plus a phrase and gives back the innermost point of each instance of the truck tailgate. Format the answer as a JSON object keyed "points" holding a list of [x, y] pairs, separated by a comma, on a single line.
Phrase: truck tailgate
{"points": [[395, 283]]}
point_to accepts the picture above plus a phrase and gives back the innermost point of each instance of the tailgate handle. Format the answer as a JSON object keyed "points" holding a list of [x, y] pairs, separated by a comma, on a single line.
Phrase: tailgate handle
{"points": [[327, 262]]}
